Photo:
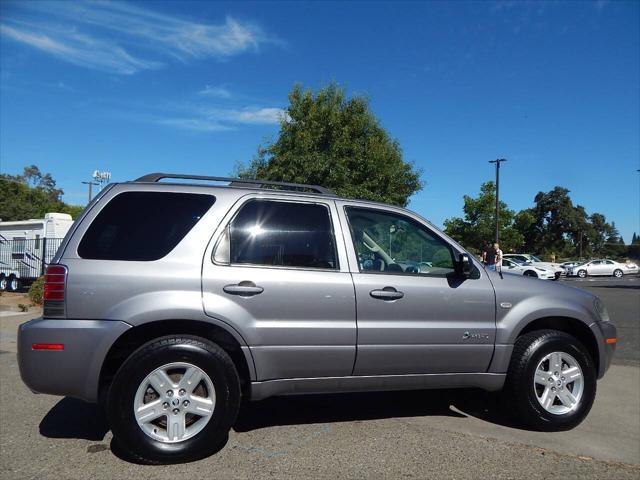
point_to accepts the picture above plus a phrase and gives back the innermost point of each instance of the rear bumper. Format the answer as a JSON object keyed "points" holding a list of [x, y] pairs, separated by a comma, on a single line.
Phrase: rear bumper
{"points": [[74, 371]]}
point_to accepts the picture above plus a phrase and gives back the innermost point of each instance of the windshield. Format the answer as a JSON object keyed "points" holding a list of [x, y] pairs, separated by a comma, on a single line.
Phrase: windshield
{"points": [[534, 258]]}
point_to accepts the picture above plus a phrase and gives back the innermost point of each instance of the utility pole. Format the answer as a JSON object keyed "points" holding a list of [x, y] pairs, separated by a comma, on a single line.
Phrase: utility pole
{"points": [[91, 184], [497, 162]]}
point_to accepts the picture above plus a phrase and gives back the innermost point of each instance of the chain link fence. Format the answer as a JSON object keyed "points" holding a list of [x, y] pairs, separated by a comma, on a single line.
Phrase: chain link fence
{"points": [[27, 257]]}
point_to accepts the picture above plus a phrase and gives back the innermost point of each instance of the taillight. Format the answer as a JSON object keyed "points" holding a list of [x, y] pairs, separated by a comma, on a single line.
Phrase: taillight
{"points": [[54, 288]]}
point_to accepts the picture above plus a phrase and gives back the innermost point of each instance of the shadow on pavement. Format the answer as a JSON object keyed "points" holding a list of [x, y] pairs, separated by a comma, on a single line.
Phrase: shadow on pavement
{"points": [[347, 407], [72, 418]]}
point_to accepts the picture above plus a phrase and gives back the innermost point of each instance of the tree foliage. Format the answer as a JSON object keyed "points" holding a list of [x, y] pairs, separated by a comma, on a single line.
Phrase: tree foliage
{"points": [[553, 226], [31, 195], [329, 139], [478, 225]]}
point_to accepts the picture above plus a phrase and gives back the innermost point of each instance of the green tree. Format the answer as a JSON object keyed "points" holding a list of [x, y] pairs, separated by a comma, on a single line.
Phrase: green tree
{"points": [[559, 225], [31, 195], [34, 178], [524, 223], [633, 250], [329, 139], [478, 225]]}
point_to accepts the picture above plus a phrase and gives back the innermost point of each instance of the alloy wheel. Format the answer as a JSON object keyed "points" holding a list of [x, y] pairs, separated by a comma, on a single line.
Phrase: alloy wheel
{"points": [[558, 383], [174, 402]]}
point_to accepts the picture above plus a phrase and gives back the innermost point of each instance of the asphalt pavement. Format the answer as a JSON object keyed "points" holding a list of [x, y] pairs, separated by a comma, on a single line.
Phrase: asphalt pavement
{"points": [[429, 434], [622, 299]]}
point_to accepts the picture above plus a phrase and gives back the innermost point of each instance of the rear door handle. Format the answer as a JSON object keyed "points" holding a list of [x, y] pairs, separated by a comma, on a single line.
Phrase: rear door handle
{"points": [[244, 289], [387, 293]]}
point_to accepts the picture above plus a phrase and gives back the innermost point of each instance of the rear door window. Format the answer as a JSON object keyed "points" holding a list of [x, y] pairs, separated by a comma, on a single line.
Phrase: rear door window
{"points": [[142, 226], [283, 234]]}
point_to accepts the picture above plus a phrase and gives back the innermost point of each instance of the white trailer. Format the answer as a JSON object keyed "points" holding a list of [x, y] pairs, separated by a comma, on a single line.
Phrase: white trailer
{"points": [[26, 246]]}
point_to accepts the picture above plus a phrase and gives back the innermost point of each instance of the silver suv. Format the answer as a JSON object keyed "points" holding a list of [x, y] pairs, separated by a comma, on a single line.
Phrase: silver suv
{"points": [[168, 302]]}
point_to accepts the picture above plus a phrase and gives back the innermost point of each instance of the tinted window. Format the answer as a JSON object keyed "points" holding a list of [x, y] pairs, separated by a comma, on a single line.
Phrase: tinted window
{"points": [[142, 225], [395, 244], [283, 234]]}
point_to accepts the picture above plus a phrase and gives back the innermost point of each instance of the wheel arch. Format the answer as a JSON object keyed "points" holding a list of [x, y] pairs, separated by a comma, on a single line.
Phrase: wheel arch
{"points": [[135, 337], [572, 326]]}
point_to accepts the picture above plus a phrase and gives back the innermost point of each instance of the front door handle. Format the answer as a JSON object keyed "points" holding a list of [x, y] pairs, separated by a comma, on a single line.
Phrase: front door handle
{"points": [[387, 293], [244, 289]]}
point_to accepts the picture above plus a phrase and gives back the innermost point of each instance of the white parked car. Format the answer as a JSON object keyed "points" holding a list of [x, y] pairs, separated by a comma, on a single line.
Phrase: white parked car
{"points": [[527, 269], [526, 258], [603, 267]]}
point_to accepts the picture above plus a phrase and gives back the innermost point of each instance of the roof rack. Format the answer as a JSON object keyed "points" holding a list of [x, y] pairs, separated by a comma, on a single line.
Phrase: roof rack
{"points": [[238, 182]]}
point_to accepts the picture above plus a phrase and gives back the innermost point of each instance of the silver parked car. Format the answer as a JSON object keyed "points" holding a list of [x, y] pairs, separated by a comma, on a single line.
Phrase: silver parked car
{"points": [[603, 267], [169, 302]]}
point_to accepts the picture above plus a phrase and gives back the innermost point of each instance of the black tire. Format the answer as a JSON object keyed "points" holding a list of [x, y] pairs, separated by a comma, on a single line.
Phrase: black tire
{"points": [[530, 273], [13, 284], [582, 273], [3, 282], [618, 273], [528, 351], [209, 357]]}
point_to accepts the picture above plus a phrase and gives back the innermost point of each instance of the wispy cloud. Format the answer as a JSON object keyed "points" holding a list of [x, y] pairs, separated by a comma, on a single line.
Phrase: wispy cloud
{"points": [[215, 92], [124, 39], [81, 50], [216, 119], [247, 115], [194, 124]]}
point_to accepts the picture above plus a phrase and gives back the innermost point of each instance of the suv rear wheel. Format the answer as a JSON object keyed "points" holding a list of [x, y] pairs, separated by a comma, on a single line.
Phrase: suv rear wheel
{"points": [[174, 400], [551, 380]]}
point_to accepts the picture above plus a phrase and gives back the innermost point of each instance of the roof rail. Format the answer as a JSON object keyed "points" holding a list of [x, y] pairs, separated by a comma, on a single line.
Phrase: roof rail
{"points": [[238, 182]]}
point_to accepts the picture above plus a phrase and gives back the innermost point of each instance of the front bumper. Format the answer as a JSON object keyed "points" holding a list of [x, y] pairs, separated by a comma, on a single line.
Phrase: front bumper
{"points": [[74, 371], [602, 332]]}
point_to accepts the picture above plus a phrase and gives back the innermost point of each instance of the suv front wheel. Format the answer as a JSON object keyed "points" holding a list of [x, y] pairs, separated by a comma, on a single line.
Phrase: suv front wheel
{"points": [[174, 400], [551, 380]]}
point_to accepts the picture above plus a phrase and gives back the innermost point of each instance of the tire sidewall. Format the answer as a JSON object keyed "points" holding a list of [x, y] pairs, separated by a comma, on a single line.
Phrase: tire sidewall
{"points": [[542, 348], [582, 274], [618, 273], [122, 396]]}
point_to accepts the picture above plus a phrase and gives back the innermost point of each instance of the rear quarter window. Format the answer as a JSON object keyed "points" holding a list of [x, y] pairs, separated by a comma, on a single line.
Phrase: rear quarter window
{"points": [[142, 226]]}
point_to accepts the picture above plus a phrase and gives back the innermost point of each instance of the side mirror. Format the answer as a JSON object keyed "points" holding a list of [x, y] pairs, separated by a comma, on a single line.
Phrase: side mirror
{"points": [[465, 266]]}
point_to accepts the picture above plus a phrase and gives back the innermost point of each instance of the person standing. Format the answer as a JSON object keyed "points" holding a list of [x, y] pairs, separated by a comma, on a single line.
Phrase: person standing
{"points": [[490, 258], [498, 257], [494, 258], [483, 255]]}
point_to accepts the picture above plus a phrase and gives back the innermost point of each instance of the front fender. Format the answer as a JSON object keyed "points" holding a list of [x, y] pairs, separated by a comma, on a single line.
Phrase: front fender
{"points": [[510, 321]]}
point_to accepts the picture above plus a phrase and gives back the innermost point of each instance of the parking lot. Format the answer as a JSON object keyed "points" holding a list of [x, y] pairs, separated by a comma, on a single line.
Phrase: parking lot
{"points": [[428, 434]]}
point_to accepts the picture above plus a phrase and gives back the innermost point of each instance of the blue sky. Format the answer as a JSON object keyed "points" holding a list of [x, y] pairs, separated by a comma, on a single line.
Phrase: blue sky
{"points": [[195, 87]]}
